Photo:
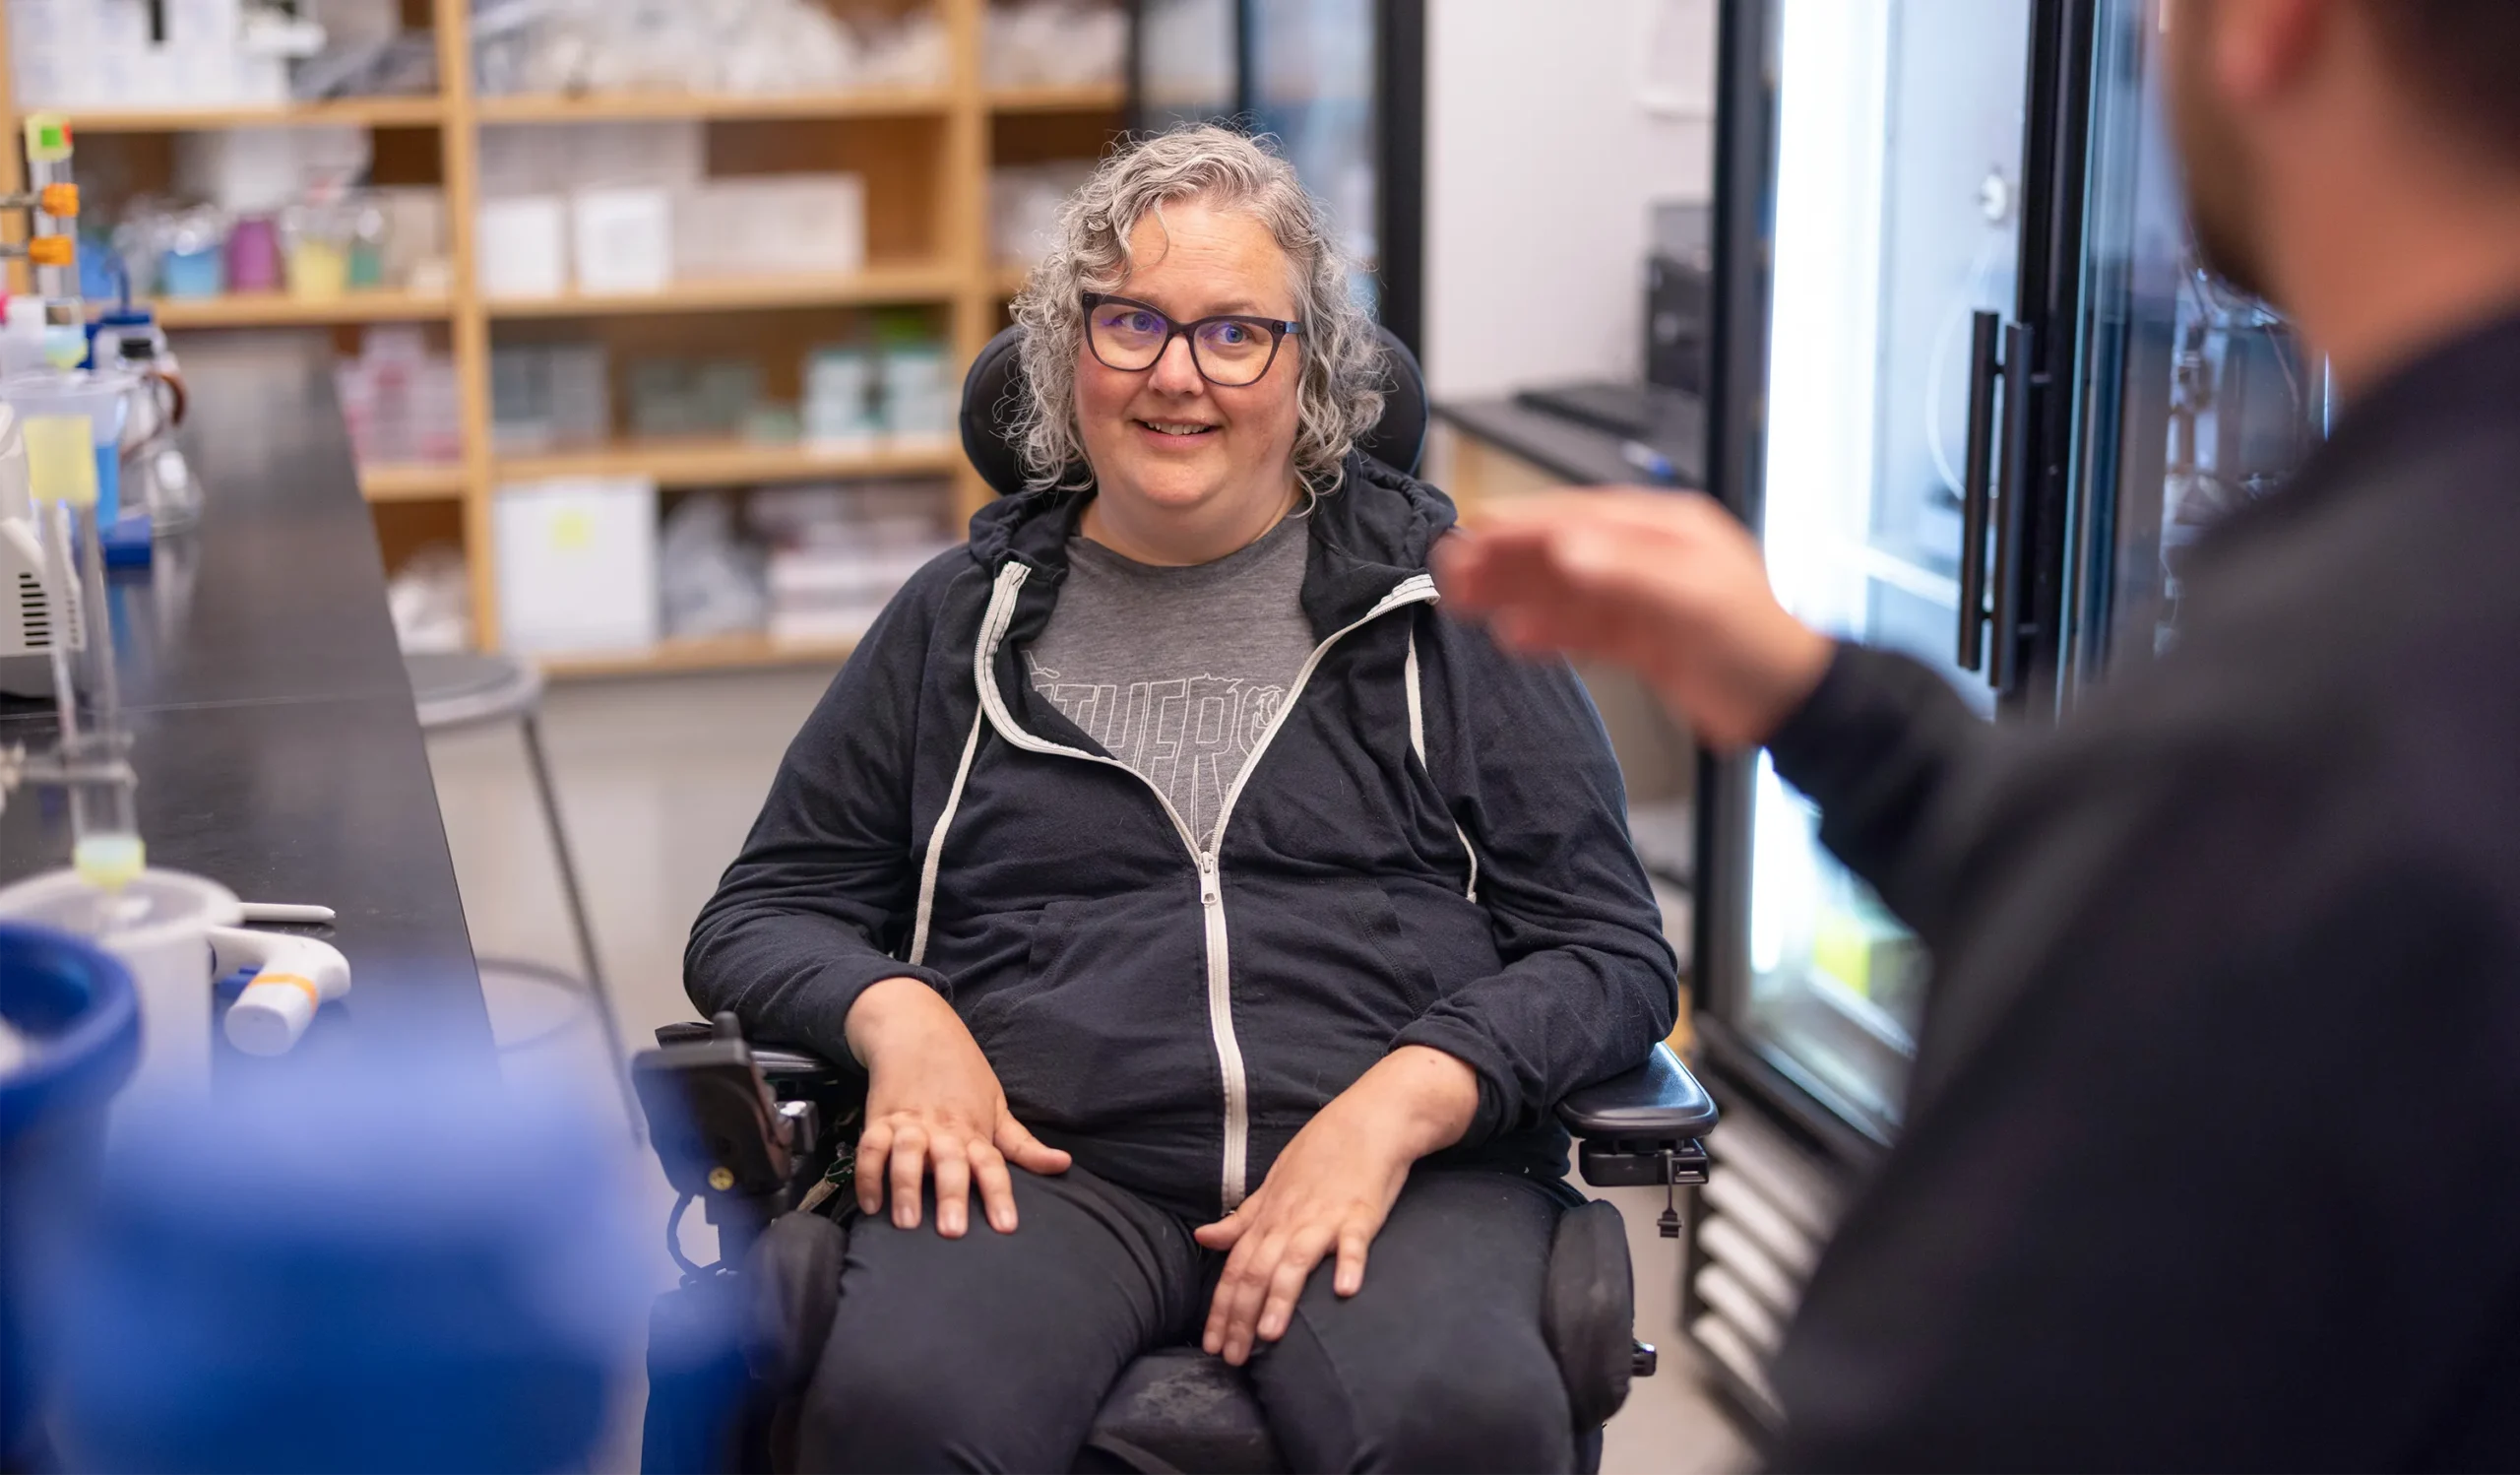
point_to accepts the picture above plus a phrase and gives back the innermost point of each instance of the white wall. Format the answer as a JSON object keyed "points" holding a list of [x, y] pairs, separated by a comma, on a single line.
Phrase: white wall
{"points": [[1543, 155]]}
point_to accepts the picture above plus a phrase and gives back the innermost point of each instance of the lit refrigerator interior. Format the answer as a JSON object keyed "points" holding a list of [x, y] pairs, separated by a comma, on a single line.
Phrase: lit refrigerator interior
{"points": [[1898, 139], [2195, 399]]}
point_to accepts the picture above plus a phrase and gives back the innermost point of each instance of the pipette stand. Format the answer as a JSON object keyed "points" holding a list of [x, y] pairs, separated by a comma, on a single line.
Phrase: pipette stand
{"points": [[52, 247]]}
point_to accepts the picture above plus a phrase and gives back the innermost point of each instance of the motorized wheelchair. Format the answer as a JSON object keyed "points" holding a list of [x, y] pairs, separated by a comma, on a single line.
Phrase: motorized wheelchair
{"points": [[752, 1129]]}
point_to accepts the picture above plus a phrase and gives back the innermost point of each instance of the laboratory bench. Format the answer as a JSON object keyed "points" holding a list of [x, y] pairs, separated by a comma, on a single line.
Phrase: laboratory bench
{"points": [[273, 725], [1489, 449]]}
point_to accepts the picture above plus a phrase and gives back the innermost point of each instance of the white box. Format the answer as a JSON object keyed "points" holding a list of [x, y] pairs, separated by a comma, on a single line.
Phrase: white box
{"points": [[523, 247], [62, 25], [518, 158], [769, 225], [577, 565], [623, 239]]}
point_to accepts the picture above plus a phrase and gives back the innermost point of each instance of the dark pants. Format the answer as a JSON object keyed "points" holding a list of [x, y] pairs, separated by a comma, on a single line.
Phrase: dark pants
{"points": [[993, 1351]]}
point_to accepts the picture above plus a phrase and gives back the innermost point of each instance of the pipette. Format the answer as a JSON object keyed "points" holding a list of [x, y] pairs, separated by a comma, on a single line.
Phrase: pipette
{"points": [[94, 749]]}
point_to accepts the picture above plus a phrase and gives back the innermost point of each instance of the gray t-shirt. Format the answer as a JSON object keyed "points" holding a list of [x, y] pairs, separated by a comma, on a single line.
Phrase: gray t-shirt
{"points": [[1177, 672]]}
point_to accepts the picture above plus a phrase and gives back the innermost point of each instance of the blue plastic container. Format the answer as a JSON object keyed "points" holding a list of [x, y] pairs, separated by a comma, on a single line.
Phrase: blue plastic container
{"points": [[201, 273], [381, 1260], [74, 1004]]}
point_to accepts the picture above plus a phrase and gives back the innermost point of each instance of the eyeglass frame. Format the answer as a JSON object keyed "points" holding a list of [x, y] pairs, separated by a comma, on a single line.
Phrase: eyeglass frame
{"points": [[1279, 330]]}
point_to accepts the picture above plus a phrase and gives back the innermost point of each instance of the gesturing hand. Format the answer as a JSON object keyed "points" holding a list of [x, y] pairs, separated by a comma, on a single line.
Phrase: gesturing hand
{"points": [[1330, 1192], [934, 1104], [1668, 584]]}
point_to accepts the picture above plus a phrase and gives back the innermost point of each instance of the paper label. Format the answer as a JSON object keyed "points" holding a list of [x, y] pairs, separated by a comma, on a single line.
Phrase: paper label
{"points": [[47, 138], [61, 459]]}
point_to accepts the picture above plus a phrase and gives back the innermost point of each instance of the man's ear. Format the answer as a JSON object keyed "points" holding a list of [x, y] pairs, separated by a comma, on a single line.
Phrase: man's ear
{"points": [[2261, 49]]}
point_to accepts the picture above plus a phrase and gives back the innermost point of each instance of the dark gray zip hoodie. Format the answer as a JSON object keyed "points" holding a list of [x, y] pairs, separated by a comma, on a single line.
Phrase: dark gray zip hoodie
{"points": [[1428, 846]]}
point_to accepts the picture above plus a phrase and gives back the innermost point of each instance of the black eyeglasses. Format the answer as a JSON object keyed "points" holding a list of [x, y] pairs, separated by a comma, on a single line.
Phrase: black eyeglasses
{"points": [[1229, 351]]}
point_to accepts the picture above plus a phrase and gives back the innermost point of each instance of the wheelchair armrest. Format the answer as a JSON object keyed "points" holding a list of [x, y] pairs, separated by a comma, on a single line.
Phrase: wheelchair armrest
{"points": [[1658, 1100], [1642, 1125], [782, 1064]]}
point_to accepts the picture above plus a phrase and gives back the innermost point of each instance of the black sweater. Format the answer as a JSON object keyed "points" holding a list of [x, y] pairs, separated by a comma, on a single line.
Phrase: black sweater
{"points": [[2213, 1154], [1173, 1014]]}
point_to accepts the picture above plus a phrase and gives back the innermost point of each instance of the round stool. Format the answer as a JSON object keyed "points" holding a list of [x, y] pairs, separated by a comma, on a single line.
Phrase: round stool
{"points": [[452, 691]]}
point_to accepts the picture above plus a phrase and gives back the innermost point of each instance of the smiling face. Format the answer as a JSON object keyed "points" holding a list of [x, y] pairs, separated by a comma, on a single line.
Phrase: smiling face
{"points": [[1186, 471]]}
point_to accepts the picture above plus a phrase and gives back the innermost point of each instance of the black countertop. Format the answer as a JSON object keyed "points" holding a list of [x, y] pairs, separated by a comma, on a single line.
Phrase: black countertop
{"points": [[273, 727], [1582, 454]]}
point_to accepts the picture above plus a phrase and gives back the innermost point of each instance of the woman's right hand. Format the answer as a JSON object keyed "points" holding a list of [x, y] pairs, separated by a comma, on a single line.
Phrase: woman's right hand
{"points": [[934, 1105]]}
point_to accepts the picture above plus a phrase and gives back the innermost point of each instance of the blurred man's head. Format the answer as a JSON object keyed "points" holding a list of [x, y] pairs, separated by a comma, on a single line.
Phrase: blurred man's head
{"points": [[2288, 111]]}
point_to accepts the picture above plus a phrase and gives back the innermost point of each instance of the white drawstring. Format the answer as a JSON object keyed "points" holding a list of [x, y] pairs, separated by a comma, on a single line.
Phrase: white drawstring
{"points": [[1418, 745], [936, 845], [1002, 605]]}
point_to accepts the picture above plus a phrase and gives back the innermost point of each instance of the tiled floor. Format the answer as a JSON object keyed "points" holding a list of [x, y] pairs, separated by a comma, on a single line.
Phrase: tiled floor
{"points": [[658, 780]]}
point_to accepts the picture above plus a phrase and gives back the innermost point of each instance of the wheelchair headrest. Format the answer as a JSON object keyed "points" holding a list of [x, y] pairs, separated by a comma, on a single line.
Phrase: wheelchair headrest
{"points": [[992, 388]]}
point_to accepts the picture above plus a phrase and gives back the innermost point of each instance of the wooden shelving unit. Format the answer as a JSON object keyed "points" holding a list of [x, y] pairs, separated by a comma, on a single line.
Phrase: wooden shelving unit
{"points": [[358, 112], [412, 483], [924, 151], [872, 102], [722, 463], [273, 309], [1096, 98], [879, 283]]}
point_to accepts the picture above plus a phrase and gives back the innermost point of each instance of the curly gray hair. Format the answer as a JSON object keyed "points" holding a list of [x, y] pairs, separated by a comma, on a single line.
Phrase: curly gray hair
{"points": [[1340, 396]]}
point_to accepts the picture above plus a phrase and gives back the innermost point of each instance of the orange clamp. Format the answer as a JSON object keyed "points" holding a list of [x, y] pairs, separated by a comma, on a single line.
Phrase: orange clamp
{"points": [[53, 250], [61, 200]]}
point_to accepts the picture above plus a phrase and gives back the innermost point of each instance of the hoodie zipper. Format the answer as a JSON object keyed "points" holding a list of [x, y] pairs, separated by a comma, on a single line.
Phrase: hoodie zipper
{"points": [[1418, 589]]}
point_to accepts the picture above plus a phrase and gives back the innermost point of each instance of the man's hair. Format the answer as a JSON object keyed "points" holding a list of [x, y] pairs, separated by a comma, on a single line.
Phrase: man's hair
{"points": [[2461, 60], [1338, 356]]}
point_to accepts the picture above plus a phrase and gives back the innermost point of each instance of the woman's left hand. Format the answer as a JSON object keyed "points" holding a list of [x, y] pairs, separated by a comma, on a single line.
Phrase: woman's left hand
{"points": [[1330, 1192]]}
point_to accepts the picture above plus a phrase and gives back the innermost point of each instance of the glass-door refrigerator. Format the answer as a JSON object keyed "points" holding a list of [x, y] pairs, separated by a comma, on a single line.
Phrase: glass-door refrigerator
{"points": [[2192, 399], [1977, 397], [1340, 85]]}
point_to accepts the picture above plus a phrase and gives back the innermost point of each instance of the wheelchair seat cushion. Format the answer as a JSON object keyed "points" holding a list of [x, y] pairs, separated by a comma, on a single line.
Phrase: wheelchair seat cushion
{"points": [[1180, 1409]]}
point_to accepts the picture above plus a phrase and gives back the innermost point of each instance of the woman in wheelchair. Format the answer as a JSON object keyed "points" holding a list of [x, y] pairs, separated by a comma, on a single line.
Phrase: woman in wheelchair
{"points": [[1221, 919]]}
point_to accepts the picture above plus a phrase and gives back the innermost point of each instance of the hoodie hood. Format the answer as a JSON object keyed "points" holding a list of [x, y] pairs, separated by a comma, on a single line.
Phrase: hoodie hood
{"points": [[1378, 528]]}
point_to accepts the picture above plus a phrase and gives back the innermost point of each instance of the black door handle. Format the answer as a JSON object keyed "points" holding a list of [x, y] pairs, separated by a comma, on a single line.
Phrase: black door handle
{"points": [[2003, 659], [1974, 489]]}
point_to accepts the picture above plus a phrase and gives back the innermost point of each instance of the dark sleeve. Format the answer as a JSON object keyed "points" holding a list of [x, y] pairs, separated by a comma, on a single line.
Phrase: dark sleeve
{"points": [[817, 905], [1589, 983], [2218, 1165], [1880, 745]]}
